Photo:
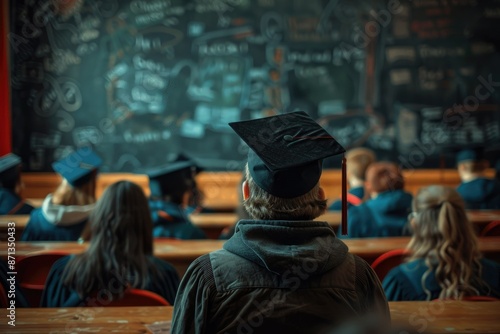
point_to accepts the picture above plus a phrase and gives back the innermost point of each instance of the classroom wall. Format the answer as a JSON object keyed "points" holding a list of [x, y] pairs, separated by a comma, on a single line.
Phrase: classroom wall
{"points": [[220, 188]]}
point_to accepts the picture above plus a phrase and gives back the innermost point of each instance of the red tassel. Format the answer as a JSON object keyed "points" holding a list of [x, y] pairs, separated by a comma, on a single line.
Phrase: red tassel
{"points": [[344, 197]]}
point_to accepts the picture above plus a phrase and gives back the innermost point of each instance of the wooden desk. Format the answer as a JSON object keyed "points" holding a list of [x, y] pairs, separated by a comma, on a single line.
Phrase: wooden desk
{"points": [[180, 253], [428, 317], [214, 223]]}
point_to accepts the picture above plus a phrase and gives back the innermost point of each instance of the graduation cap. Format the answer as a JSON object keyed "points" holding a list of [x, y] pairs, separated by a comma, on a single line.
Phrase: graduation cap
{"points": [[77, 168], [9, 170], [164, 179], [286, 153]]}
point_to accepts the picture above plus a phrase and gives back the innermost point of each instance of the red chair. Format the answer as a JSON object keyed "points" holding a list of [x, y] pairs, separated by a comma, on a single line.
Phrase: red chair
{"points": [[492, 229], [132, 297], [32, 272], [472, 299], [385, 262]]}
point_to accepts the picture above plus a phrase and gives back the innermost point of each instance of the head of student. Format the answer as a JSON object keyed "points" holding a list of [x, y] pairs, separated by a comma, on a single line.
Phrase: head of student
{"points": [[358, 161], [121, 237], [382, 177], [284, 166], [175, 182], [79, 172], [444, 237], [470, 163], [10, 173]]}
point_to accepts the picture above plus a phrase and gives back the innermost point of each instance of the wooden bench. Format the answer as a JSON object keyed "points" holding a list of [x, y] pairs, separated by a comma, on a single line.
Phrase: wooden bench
{"points": [[417, 317]]}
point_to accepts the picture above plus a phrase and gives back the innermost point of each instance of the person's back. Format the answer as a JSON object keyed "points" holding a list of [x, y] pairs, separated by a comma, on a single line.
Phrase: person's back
{"points": [[173, 191], [385, 213], [64, 214], [281, 271], [478, 191], [444, 260], [11, 202], [119, 255]]}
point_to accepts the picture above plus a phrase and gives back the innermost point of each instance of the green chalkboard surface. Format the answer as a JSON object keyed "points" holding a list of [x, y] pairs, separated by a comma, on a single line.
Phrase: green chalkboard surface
{"points": [[144, 80]]}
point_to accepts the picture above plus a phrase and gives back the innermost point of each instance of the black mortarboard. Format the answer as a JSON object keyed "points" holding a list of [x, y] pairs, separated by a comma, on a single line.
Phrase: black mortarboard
{"points": [[9, 168], [78, 167], [476, 154], [163, 179], [286, 152]]}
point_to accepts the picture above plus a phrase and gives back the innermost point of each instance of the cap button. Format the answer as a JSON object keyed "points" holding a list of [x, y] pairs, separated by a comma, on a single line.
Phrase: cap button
{"points": [[288, 138]]}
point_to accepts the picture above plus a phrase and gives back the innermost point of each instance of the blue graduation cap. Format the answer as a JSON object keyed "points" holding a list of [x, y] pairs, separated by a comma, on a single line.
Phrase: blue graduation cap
{"points": [[9, 170], [78, 167], [470, 154]]}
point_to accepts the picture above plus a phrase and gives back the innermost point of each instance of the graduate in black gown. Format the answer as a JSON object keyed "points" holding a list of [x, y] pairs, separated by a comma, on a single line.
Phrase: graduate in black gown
{"points": [[445, 261], [173, 195], [11, 202], [64, 213], [119, 255]]}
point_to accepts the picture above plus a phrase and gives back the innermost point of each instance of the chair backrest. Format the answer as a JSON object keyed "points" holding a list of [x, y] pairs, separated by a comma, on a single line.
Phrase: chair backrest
{"points": [[492, 229], [385, 262], [132, 297], [32, 272], [480, 299]]}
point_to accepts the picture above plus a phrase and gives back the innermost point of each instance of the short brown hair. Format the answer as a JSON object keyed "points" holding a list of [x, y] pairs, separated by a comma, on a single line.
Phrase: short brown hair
{"points": [[358, 161], [383, 176], [262, 205]]}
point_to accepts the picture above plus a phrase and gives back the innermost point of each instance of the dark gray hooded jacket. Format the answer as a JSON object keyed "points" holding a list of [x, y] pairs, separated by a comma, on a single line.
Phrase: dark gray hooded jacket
{"points": [[277, 277]]}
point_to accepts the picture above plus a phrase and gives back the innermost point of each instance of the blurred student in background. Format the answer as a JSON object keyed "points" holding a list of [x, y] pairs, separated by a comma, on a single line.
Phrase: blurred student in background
{"points": [[478, 191], [119, 256], [385, 213], [64, 213], [11, 202], [444, 259], [358, 161], [173, 191]]}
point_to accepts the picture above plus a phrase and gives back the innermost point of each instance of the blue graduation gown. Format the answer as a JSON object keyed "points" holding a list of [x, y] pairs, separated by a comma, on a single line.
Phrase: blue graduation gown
{"points": [[383, 216], [40, 229], [11, 204], [19, 297], [480, 194], [358, 192], [170, 220], [56, 294], [404, 281]]}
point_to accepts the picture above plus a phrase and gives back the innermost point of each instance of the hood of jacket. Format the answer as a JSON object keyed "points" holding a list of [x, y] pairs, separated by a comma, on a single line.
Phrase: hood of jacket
{"points": [[65, 215], [479, 190], [279, 245], [395, 202]]}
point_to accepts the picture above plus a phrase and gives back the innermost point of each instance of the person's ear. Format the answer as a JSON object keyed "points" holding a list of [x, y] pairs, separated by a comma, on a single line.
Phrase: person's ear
{"points": [[245, 190], [321, 194]]}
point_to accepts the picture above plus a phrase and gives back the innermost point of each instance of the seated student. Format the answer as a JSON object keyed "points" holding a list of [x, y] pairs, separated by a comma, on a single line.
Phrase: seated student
{"points": [[64, 213], [10, 187], [119, 256], [477, 191], [172, 192], [281, 272], [358, 161], [385, 213], [445, 261]]}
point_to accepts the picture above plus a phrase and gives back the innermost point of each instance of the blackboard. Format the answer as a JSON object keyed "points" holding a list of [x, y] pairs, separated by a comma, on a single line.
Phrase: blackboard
{"points": [[440, 78], [144, 80]]}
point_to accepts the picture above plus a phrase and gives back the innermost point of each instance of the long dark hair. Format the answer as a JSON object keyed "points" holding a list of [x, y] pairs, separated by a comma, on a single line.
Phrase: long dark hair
{"points": [[121, 239]]}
